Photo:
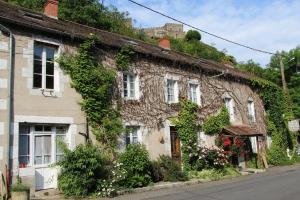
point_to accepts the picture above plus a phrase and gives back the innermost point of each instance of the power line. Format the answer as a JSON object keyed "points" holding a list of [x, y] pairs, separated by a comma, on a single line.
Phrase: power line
{"points": [[201, 30]]}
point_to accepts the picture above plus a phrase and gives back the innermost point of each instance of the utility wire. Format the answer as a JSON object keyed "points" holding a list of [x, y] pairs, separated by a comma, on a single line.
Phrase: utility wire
{"points": [[201, 30]]}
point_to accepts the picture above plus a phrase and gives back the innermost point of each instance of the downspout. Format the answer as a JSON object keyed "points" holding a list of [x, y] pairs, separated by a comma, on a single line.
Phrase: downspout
{"points": [[9, 103]]}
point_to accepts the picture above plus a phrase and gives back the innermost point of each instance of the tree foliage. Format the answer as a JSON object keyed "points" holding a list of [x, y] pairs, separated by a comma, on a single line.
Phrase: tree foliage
{"points": [[193, 35], [95, 84], [91, 13], [201, 50]]}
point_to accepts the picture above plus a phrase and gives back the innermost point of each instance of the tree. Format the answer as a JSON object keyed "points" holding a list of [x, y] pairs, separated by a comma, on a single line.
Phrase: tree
{"points": [[91, 13], [193, 35], [291, 61]]}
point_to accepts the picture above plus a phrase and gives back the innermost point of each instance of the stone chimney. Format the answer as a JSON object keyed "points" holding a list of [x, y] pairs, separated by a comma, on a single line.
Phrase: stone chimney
{"points": [[51, 8], [164, 43]]}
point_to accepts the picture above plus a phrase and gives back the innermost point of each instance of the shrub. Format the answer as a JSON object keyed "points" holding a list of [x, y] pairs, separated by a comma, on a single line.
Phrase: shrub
{"points": [[136, 162], [81, 170], [171, 170], [206, 158], [156, 171], [192, 35]]}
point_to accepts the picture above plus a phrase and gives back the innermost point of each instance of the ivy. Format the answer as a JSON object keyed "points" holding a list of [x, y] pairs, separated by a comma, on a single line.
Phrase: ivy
{"points": [[94, 82], [214, 124], [187, 127], [279, 112], [124, 57]]}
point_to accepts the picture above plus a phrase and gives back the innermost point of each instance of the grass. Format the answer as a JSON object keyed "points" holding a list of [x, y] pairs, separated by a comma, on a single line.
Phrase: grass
{"points": [[215, 174]]}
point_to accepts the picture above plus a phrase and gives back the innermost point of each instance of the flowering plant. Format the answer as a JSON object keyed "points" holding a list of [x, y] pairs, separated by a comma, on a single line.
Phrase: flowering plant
{"points": [[208, 158], [109, 187]]}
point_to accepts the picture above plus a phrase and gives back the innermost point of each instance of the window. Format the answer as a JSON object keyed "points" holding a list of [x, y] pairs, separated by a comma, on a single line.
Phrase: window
{"points": [[43, 68], [251, 111], [130, 86], [60, 137], [194, 93], [24, 148], [230, 107], [37, 142], [131, 137], [172, 91]]}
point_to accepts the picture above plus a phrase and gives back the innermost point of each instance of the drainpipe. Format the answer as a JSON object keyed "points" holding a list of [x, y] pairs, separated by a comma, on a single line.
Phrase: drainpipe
{"points": [[9, 103]]}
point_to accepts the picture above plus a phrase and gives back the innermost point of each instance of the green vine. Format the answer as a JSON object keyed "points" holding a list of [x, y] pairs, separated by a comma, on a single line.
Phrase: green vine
{"points": [[279, 112], [214, 124], [94, 82], [187, 127], [124, 57]]}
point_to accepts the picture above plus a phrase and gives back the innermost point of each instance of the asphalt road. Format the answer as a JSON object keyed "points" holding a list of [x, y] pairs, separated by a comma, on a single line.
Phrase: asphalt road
{"points": [[276, 184]]}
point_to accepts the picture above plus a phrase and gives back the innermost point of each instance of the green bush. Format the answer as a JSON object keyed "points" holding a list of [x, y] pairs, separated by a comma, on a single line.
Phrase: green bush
{"points": [[171, 170], [156, 171], [135, 160], [81, 170], [192, 35]]}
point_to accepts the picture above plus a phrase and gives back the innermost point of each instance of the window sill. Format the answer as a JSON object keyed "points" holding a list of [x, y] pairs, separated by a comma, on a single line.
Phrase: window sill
{"points": [[46, 92]]}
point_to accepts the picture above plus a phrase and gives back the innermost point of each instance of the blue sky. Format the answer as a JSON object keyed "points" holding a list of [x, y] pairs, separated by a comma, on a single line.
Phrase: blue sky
{"points": [[270, 25]]}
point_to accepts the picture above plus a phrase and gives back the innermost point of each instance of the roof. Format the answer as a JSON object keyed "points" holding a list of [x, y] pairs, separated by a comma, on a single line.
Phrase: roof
{"points": [[22, 17], [241, 130]]}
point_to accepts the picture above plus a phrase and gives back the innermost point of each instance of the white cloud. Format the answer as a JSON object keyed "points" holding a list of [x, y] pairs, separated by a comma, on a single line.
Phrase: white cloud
{"points": [[268, 25]]}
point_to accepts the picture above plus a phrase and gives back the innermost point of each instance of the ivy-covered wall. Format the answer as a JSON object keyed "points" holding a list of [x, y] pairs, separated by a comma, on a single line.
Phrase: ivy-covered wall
{"points": [[152, 113]]}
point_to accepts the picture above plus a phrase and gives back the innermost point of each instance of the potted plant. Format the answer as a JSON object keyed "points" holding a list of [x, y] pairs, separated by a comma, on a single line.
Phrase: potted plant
{"points": [[19, 191]]}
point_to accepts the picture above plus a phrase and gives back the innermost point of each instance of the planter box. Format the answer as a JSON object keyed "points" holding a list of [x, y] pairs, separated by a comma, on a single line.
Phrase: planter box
{"points": [[20, 195]]}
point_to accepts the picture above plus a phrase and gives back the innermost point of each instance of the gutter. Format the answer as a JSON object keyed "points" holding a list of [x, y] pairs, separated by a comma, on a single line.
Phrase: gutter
{"points": [[10, 98]]}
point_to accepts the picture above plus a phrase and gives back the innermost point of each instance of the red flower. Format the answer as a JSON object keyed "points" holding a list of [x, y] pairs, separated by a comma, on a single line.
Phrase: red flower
{"points": [[227, 142], [238, 142]]}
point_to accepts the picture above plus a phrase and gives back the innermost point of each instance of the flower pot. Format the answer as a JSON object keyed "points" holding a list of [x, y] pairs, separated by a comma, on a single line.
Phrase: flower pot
{"points": [[22, 195]]}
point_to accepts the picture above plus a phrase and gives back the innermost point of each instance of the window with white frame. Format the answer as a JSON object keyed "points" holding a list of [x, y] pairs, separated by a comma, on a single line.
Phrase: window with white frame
{"points": [[131, 136], [251, 111], [194, 93], [230, 107], [171, 91], [43, 66], [130, 86], [38, 144]]}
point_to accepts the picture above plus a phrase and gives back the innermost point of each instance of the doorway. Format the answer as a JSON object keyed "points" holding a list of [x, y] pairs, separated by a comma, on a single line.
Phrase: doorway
{"points": [[175, 144]]}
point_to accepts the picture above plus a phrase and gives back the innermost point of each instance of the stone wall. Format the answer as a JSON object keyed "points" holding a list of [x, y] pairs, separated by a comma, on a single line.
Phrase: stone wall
{"points": [[169, 29]]}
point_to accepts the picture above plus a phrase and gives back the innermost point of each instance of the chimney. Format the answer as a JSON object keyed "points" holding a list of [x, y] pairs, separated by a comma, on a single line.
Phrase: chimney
{"points": [[51, 8], [164, 43]]}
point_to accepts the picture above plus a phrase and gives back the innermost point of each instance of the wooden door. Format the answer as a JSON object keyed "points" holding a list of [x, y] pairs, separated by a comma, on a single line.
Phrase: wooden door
{"points": [[175, 144]]}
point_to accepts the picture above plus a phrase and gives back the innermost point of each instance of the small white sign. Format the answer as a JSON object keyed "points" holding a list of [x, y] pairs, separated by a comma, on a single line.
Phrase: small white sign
{"points": [[294, 125]]}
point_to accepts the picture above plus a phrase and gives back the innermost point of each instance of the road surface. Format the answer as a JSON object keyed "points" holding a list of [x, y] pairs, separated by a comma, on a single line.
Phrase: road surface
{"points": [[276, 184]]}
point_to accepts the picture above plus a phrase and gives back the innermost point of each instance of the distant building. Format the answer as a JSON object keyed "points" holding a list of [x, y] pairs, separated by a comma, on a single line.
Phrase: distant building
{"points": [[169, 29]]}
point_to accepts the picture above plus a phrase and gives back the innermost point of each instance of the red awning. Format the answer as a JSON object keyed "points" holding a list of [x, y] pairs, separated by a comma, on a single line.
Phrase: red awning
{"points": [[241, 130]]}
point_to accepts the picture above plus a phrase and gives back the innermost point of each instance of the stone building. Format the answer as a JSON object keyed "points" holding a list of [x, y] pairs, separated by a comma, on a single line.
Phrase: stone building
{"points": [[37, 104], [169, 29]]}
